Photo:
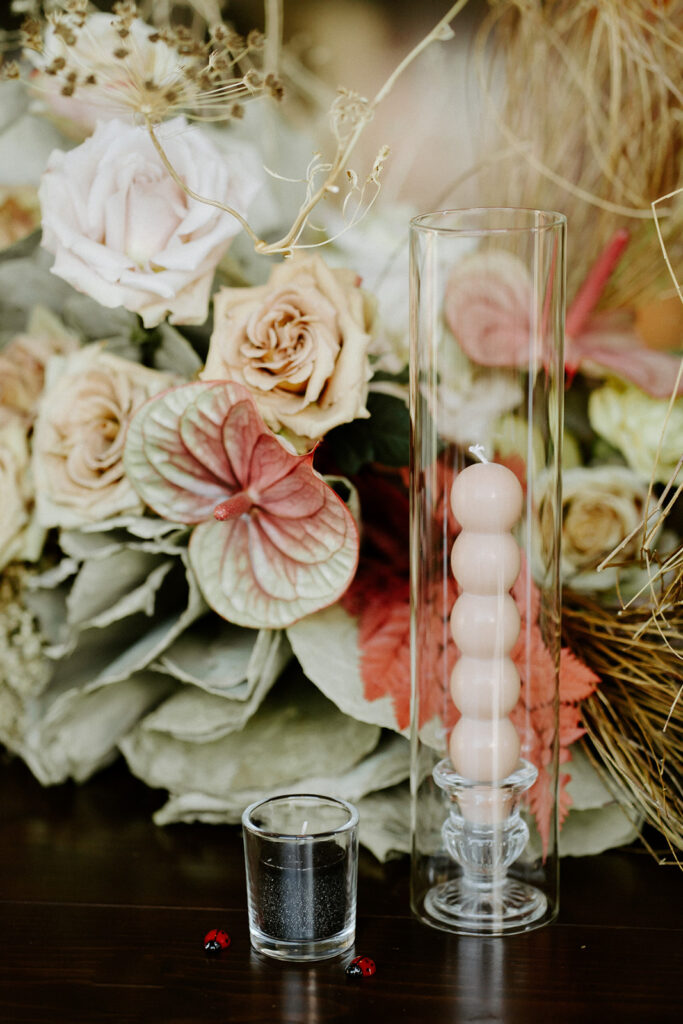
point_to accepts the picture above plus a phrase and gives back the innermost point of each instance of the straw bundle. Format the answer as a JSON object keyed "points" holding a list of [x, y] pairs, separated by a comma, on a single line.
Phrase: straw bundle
{"points": [[635, 719], [590, 125]]}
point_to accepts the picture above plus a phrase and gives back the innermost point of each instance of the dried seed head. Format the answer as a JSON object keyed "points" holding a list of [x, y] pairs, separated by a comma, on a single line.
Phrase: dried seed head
{"points": [[253, 80], [125, 9], [234, 42], [32, 36], [65, 32], [274, 86], [9, 70], [58, 64]]}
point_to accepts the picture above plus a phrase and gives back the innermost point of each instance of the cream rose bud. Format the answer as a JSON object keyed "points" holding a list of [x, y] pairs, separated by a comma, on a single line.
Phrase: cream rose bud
{"points": [[89, 400], [601, 506], [125, 233], [299, 343]]}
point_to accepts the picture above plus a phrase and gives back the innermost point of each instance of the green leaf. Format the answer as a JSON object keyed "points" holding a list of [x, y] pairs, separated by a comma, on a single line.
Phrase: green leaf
{"points": [[350, 446], [384, 437], [402, 377], [390, 426]]}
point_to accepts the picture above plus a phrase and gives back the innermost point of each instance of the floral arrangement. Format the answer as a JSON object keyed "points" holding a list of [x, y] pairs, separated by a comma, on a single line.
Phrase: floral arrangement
{"points": [[204, 425]]}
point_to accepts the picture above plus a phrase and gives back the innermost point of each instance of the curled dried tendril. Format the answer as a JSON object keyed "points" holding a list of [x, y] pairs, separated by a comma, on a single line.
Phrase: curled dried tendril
{"points": [[210, 78]]}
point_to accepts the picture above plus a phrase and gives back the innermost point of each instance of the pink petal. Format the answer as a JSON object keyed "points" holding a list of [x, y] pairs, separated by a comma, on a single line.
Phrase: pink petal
{"points": [[592, 288], [271, 463], [249, 581], [201, 429], [488, 308], [161, 468], [242, 429], [295, 495], [608, 345]]}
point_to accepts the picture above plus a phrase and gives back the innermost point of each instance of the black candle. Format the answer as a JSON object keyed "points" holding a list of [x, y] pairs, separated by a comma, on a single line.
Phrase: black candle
{"points": [[301, 858], [303, 890]]}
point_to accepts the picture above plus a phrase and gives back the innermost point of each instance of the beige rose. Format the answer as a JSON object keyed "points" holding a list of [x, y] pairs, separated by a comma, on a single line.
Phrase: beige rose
{"points": [[601, 506], [90, 398], [23, 361], [299, 343], [17, 538]]}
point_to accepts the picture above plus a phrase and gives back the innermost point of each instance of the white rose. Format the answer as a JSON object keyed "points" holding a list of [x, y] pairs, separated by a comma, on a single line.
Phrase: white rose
{"points": [[637, 425], [15, 491], [23, 361], [601, 506], [89, 400], [126, 234], [299, 343]]}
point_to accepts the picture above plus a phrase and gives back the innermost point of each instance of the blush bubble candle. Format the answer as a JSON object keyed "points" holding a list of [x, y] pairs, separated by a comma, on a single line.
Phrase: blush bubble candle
{"points": [[486, 499], [486, 384]]}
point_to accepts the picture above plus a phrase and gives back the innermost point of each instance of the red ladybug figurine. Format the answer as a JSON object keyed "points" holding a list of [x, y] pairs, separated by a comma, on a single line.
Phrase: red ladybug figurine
{"points": [[361, 966], [215, 941]]}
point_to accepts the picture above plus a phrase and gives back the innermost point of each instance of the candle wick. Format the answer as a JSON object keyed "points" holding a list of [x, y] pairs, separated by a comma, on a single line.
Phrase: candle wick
{"points": [[479, 452]]}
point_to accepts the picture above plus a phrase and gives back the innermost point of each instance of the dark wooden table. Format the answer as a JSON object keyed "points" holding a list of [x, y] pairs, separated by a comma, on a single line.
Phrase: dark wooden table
{"points": [[102, 917]]}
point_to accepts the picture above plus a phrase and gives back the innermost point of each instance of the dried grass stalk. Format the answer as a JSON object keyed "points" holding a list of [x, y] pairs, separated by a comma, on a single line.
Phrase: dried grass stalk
{"points": [[591, 119], [635, 719]]}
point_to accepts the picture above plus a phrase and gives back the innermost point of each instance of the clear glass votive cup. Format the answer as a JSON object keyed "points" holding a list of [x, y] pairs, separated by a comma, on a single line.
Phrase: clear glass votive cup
{"points": [[301, 857]]}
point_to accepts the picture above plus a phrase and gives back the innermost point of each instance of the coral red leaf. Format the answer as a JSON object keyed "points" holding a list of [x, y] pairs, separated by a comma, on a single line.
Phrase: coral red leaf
{"points": [[577, 681]]}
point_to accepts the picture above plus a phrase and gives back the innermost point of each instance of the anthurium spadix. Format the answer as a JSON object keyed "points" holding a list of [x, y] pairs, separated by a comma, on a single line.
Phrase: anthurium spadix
{"points": [[273, 542]]}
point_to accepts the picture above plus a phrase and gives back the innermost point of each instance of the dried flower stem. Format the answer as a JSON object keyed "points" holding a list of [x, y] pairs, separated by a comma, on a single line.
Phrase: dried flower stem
{"points": [[345, 147], [273, 43]]}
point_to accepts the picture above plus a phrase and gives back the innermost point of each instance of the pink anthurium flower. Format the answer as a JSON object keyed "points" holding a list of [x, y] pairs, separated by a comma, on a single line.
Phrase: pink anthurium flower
{"points": [[273, 542], [597, 342], [487, 307]]}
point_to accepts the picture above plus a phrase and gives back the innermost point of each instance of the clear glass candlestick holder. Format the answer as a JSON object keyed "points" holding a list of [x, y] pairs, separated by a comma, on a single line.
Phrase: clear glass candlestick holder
{"points": [[487, 375], [301, 857]]}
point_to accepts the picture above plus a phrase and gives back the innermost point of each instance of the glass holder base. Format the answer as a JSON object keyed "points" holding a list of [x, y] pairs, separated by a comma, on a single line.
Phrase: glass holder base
{"points": [[302, 949], [512, 906]]}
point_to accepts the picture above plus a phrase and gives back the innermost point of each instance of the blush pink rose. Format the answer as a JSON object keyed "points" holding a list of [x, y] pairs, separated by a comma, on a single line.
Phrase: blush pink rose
{"points": [[126, 234]]}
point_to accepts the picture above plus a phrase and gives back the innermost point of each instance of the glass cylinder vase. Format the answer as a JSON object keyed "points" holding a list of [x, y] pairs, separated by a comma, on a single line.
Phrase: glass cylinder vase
{"points": [[487, 372]]}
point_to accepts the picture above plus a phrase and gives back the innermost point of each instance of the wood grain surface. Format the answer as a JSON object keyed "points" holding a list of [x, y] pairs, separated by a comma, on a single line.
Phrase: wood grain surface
{"points": [[102, 916]]}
